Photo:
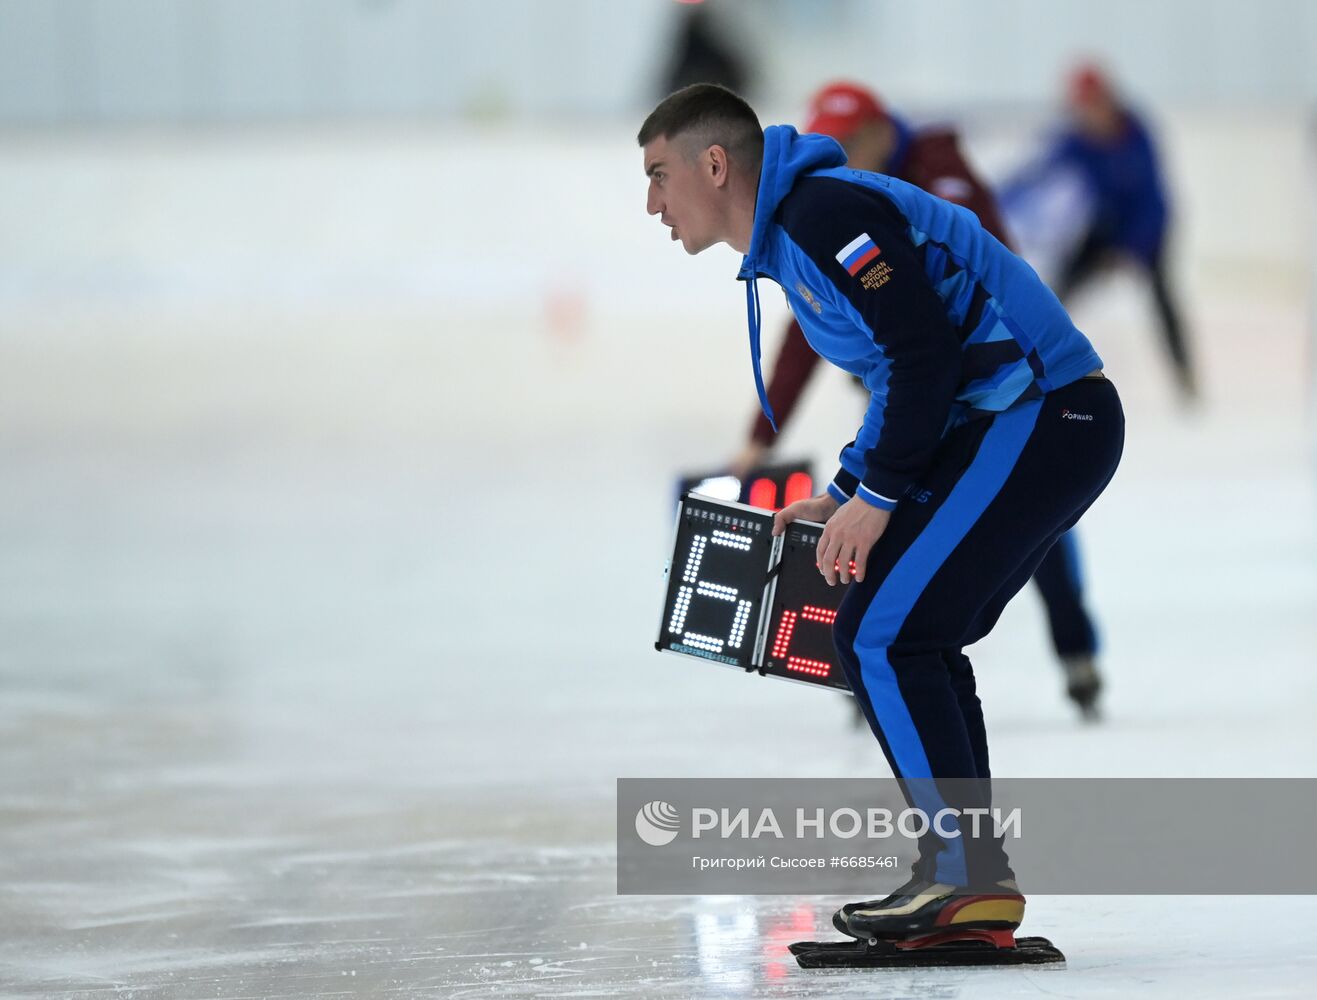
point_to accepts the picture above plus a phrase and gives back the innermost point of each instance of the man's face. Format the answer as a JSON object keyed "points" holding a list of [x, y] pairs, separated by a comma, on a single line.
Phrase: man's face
{"points": [[683, 191]]}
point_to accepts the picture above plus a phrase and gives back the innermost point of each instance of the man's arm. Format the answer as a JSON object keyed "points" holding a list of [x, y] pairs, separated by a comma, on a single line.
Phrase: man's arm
{"points": [[792, 368], [899, 320], [791, 371]]}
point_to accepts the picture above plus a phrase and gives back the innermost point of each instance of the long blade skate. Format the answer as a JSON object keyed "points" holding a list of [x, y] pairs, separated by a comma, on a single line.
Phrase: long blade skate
{"points": [[945, 948]]}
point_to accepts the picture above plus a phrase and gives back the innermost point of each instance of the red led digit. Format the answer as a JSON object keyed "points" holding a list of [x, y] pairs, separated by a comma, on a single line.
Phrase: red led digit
{"points": [[763, 493], [784, 629], [815, 668], [802, 644], [799, 486], [824, 616]]}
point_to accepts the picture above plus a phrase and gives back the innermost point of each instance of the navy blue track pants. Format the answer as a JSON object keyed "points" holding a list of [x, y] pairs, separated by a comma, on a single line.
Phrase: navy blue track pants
{"points": [[960, 544]]}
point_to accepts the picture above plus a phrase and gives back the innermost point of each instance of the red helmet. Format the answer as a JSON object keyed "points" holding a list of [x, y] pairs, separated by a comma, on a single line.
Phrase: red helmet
{"points": [[840, 108]]}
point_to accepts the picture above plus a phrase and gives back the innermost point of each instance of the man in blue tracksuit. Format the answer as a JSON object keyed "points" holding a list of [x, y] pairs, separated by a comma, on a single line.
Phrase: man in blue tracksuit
{"points": [[990, 430]]}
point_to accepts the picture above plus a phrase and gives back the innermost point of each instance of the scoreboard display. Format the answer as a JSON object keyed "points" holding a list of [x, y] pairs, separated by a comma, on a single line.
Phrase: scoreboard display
{"points": [[738, 596], [798, 641], [718, 581]]}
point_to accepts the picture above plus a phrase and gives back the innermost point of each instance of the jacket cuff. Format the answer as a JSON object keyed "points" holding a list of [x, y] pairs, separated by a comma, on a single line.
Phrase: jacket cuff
{"points": [[881, 489], [875, 499], [843, 485]]}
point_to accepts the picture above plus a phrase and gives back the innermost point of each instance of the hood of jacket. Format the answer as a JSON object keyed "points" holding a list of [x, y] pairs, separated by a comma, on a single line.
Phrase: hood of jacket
{"points": [[787, 155]]}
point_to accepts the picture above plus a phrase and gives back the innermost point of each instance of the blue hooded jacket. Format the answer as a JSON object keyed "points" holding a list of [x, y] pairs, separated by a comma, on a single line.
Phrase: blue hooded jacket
{"points": [[909, 293]]}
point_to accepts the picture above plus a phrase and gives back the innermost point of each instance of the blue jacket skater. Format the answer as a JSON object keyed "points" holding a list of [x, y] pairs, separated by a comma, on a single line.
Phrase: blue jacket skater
{"points": [[1122, 179]]}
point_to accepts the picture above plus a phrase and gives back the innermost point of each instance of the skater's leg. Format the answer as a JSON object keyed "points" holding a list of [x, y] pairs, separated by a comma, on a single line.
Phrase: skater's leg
{"points": [[1040, 488], [1045, 480], [1060, 582], [1035, 472], [908, 522], [939, 690], [1082, 265], [895, 637], [1054, 568], [1172, 329], [971, 709], [940, 569], [948, 695]]}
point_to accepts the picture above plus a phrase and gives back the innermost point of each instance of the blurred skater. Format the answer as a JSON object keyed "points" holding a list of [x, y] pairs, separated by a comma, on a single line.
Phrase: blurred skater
{"points": [[702, 52], [1111, 150]]}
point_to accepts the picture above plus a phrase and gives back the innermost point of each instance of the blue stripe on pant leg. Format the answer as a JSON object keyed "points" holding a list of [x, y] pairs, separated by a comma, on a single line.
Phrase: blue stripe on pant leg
{"points": [[891, 605]]}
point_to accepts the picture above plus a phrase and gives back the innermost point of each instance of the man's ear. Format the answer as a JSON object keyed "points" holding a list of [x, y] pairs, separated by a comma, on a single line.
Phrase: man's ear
{"points": [[715, 162]]}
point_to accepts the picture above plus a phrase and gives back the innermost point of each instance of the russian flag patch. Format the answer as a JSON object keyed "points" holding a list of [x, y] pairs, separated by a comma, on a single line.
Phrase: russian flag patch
{"points": [[858, 252]]}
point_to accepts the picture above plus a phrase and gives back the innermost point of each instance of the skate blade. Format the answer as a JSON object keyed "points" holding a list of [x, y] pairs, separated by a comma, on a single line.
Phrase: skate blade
{"points": [[998, 937], [886, 955]]}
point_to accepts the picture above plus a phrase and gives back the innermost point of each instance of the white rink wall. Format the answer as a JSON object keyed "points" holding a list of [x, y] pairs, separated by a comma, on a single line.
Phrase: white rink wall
{"points": [[225, 242], [422, 212], [70, 61]]}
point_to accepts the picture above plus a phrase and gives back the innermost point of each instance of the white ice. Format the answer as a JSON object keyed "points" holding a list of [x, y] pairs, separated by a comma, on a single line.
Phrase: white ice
{"points": [[338, 470]]}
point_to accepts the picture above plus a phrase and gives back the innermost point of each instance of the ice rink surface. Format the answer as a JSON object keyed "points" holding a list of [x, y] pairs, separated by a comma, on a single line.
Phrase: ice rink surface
{"points": [[333, 524]]}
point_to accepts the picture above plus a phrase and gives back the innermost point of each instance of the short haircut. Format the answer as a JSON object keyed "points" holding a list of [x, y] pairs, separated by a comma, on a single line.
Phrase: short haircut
{"points": [[711, 115]]}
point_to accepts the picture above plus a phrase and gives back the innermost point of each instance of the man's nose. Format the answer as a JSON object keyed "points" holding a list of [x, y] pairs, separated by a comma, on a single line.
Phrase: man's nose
{"points": [[652, 204]]}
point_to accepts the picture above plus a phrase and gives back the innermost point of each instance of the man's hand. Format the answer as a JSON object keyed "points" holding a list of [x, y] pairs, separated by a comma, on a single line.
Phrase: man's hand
{"points": [[750, 457], [847, 539], [818, 508]]}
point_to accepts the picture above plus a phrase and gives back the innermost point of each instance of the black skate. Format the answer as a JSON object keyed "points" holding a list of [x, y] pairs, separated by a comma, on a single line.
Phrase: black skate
{"points": [[925, 908], [928, 923], [899, 900], [1083, 684], [839, 918]]}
